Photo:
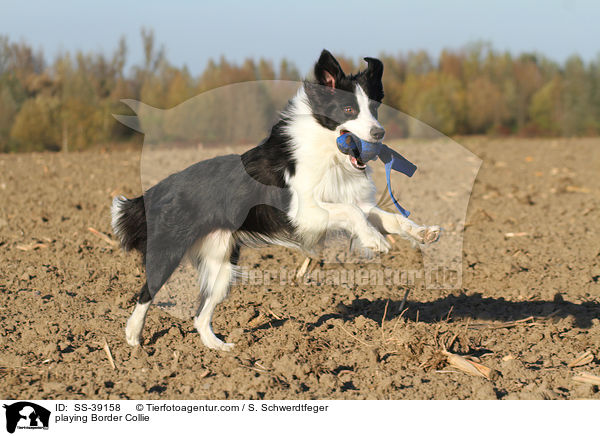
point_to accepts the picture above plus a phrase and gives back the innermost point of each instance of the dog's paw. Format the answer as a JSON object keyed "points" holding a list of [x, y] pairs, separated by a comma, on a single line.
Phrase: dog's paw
{"points": [[132, 338], [428, 235], [211, 341], [372, 240], [226, 346], [217, 344]]}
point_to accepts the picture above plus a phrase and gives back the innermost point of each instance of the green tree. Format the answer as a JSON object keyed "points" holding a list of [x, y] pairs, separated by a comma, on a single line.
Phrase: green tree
{"points": [[436, 99], [485, 105], [36, 125], [546, 107], [578, 118]]}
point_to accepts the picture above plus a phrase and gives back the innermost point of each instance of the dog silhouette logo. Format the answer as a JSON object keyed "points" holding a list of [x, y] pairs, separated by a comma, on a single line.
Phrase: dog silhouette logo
{"points": [[26, 415]]}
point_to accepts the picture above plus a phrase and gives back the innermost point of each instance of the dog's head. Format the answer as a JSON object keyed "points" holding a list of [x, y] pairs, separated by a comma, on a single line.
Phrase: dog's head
{"points": [[341, 102]]}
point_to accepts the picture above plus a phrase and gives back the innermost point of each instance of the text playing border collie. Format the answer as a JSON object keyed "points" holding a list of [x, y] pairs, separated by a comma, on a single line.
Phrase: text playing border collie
{"points": [[302, 187]]}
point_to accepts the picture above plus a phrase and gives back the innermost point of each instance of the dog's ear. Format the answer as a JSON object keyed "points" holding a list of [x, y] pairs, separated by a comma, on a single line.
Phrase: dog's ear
{"points": [[374, 69], [327, 70]]}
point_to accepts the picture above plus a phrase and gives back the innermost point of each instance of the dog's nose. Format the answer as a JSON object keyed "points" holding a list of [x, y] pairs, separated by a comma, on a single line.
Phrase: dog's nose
{"points": [[377, 132]]}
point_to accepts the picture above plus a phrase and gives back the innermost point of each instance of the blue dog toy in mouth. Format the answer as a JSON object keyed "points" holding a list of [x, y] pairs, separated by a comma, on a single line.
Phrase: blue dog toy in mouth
{"points": [[364, 151]]}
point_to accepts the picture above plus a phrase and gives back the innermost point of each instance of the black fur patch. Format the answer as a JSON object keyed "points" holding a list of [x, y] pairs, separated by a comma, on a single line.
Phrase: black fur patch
{"points": [[268, 164], [131, 224]]}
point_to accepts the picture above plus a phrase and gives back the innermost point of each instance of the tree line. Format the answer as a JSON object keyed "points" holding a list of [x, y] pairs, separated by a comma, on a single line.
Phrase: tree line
{"points": [[67, 104]]}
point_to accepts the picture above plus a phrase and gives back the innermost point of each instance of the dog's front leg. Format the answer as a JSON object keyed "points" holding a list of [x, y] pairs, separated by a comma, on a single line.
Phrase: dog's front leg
{"points": [[387, 222], [351, 218]]}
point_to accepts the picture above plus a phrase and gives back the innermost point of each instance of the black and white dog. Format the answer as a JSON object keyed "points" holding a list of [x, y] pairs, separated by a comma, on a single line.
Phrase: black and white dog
{"points": [[289, 190]]}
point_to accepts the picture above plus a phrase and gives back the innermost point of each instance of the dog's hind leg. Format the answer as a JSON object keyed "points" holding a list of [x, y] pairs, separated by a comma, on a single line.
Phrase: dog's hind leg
{"points": [[159, 267], [135, 323], [215, 275]]}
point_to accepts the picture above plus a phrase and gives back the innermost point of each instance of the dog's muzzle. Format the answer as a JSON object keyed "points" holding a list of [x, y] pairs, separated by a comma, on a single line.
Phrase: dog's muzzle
{"points": [[361, 152]]}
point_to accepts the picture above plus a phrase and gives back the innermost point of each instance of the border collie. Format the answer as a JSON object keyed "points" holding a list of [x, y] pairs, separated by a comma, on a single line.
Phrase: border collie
{"points": [[289, 190]]}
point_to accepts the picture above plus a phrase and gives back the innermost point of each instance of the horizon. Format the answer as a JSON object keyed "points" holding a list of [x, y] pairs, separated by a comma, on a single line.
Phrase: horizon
{"points": [[567, 29]]}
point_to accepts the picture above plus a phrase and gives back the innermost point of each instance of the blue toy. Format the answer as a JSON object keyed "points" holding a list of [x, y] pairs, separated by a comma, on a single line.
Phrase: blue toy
{"points": [[366, 151]]}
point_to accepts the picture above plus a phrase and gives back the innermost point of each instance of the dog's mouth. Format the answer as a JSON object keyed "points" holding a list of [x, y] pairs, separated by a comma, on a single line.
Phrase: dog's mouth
{"points": [[356, 162]]}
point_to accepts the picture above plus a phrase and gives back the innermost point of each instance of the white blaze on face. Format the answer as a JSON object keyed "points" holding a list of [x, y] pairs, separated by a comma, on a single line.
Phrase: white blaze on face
{"points": [[361, 126]]}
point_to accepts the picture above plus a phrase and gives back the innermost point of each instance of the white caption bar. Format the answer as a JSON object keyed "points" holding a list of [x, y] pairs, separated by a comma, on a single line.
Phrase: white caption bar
{"points": [[44, 417]]}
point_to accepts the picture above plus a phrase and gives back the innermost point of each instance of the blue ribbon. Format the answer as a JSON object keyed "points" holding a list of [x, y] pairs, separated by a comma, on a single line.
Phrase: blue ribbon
{"points": [[392, 160]]}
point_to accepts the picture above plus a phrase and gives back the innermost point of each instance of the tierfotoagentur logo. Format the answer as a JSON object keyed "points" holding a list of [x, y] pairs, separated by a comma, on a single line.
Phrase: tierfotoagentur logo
{"points": [[25, 415]]}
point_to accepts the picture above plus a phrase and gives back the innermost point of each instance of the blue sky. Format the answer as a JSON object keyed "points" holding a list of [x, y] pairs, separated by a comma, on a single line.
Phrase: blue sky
{"points": [[193, 32]]}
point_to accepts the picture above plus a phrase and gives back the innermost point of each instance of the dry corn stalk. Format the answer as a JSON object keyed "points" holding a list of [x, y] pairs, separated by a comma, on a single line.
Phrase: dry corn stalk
{"points": [[303, 268], [586, 377], [583, 359], [109, 354], [104, 237], [32, 246], [580, 189], [258, 320], [515, 234], [503, 325], [469, 366]]}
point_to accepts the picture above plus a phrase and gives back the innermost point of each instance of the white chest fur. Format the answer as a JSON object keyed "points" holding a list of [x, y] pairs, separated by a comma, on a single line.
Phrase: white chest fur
{"points": [[323, 174]]}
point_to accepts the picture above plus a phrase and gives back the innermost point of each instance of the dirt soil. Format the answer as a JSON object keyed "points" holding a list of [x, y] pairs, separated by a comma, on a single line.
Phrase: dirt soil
{"points": [[529, 302]]}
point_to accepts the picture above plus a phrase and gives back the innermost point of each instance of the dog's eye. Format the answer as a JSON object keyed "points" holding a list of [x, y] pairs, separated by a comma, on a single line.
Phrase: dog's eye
{"points": [[349, 110]]}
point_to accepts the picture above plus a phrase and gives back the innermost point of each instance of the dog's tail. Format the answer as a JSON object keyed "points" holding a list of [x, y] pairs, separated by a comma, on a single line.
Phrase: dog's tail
{"points": [[129, 222]]}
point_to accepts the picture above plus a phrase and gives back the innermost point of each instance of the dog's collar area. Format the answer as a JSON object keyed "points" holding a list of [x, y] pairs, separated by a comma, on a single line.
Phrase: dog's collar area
{"points": [[363, 151]]}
